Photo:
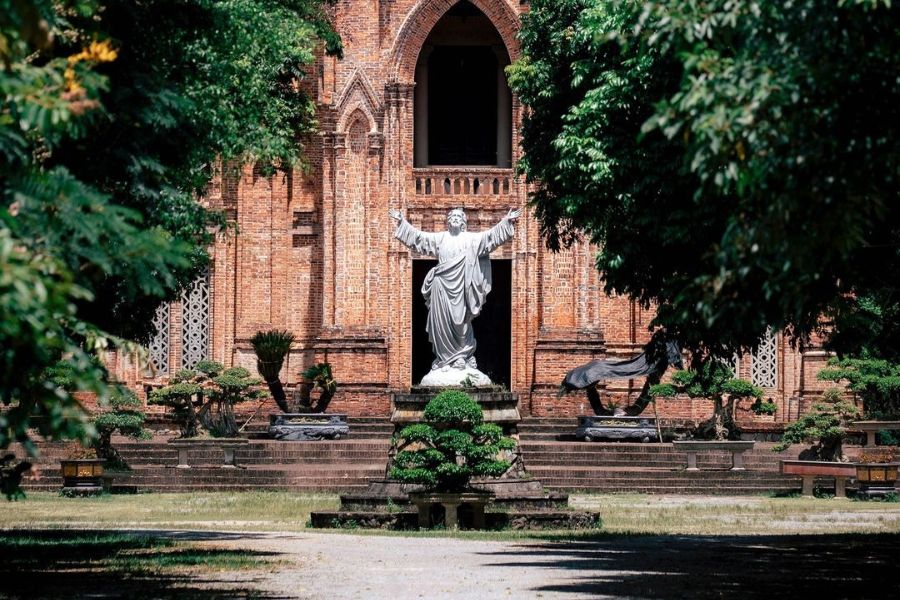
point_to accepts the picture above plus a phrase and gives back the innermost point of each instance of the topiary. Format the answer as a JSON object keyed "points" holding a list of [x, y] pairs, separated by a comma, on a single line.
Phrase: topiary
{"points": [[271, 348], [452, 447]]}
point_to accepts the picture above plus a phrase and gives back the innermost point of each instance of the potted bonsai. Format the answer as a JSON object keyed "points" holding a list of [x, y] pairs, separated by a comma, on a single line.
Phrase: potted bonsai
{"points": [[714, 381], [311, 423], [445, 452]]}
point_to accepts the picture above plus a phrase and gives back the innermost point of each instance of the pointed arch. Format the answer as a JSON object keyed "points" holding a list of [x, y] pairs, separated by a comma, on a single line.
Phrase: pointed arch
{"points": [[358, 96], [422, 19]]}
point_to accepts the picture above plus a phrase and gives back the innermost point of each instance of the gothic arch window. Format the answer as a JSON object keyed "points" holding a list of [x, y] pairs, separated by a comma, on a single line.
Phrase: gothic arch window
{"points": [[463, 104]]}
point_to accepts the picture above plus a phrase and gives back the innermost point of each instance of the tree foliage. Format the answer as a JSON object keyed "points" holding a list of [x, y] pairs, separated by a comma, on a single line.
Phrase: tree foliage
{"points": [[114, 116], [876, 381], [271, 348], [736, 162]]}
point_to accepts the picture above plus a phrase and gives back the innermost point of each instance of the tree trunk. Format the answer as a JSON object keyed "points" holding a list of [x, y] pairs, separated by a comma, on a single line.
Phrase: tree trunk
{"points": [[277, 390]]}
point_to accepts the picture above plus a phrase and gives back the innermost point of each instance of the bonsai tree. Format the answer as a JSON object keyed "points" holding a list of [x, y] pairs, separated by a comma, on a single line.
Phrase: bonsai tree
{"points": [[122, 416], [825, 427], [231, 387], [452, 446], [271, 348], [206, 396], [322, 378], [876, 381], [716, 382], [183, 396]]}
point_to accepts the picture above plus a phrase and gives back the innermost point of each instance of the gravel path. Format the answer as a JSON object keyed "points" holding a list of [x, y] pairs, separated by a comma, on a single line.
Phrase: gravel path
{"points": [[337, 566]]}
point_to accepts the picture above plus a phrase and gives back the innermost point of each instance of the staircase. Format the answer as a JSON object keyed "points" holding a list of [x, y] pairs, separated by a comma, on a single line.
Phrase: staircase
{"points": [[550, 453]]}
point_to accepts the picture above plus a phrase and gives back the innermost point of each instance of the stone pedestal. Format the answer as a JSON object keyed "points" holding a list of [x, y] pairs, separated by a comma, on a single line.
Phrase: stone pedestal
{"points": [[501, 408], [308, 426], [451, 503], [227, 445]]}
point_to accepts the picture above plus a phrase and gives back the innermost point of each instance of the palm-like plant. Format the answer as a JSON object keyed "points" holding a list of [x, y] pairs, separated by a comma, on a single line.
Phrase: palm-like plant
{"points": [[321, 376], [271, 348]]}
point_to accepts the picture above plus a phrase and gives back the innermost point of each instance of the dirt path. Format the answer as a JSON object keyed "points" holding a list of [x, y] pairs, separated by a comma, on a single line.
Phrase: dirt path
{"points": [[326, 566]]}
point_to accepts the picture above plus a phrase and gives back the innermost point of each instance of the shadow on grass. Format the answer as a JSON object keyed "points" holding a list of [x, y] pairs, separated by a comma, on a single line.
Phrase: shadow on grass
{"points": [[73, 564], [749, 567]]}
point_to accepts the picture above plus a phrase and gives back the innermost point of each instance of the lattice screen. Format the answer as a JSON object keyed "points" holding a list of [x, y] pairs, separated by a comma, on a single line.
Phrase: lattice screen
{"points": [[764, 362], [159, 345], [195, 322]]}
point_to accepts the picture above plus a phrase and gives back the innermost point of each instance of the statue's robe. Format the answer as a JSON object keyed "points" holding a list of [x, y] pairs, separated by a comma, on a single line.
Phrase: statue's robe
{"points": [[456, 288]]}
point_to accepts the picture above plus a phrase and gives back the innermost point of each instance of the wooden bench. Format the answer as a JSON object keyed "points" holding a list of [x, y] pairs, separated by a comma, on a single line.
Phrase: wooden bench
{"points": [[736, 448], [873, 427], [227, 445], [808, 470]]}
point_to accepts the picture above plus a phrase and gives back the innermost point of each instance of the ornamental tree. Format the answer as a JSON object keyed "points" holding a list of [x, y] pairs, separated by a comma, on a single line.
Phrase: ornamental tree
{"points": [[735, 162], [716, 382], [824, 427], [123, 416], [452, 446]]}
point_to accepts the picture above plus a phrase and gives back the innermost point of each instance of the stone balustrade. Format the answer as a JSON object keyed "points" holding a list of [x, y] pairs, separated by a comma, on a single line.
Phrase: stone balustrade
{"points": [[463, 181]]}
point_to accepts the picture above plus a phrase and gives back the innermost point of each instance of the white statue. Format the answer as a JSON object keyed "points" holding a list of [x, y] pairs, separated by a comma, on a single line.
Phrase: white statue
{"points": [[455, 290]]}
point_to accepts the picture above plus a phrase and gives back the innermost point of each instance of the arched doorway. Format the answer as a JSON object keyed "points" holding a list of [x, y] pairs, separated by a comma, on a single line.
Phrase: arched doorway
{"points": [[463, 104]]}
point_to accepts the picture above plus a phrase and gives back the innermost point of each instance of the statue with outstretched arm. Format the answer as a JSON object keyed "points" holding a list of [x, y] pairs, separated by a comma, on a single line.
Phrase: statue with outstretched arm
{"points": [[455, 290]]}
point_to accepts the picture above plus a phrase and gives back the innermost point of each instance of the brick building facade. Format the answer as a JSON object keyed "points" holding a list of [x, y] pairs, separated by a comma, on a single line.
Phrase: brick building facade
{"points": [[416, 116]]}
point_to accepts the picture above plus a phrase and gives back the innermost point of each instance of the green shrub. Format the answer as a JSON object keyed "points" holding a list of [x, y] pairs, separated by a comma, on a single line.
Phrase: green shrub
{"points": [[452, 447], [453, 406], [322, 378]]}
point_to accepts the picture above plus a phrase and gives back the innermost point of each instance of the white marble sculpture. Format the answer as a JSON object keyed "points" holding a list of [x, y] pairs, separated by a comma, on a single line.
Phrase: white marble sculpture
{"points": [[455, 290]]}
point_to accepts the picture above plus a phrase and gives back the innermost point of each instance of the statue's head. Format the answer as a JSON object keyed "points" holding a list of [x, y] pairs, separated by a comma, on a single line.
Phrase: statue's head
{"points": [[456, 220]]}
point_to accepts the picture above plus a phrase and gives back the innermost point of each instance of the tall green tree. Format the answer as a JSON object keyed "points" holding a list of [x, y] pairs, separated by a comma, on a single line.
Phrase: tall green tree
{"points": [[114, 116], [736, 162]]}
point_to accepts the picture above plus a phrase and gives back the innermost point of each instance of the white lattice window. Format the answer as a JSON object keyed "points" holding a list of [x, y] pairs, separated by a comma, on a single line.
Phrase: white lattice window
{"points": [[159, 345], [195, 322], [764, 362]]}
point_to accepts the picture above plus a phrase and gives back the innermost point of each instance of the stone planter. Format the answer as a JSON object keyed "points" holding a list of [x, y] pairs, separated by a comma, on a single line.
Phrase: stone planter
{"points": [[593, 428], [876, 479], [82, 476], [308, 426], [452, 503]]}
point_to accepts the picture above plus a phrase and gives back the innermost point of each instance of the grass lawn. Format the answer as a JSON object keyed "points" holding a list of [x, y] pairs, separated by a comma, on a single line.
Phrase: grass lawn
{"points": [[624, 513]]}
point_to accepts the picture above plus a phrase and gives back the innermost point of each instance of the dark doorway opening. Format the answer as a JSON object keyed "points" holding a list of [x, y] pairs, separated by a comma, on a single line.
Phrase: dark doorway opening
{"points": [[493, 327], [462, 106]]}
